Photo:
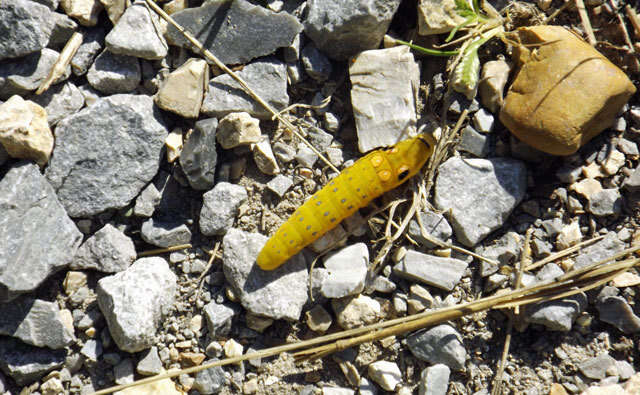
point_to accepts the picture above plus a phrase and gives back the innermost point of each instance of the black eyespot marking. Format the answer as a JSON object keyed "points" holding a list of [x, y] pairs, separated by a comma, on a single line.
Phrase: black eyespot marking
{"points": [[333, 219], [403, 175], [314, 233]]}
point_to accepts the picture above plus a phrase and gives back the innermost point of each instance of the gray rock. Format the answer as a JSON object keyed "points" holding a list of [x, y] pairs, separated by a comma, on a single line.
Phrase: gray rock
{"points": [[35, 322], [219, 317], [210, 381], [230, 29], [113, 145], [92, 350], [605, 202], [92, 318], [24, 28], [632, 183], [320, 139], [569, 173], [165, 234], [60, 101], [26, 364], [440, 344], [220, 208], [443, 273], [108, 251], [481, 194], [284, 151], [123, 371], [291, 52], [147, 201], [382, 284], [32, 221], [596, 367], [152, 285], [474, 143], [548, 272], [63, 29], [459, 103], [504, 250], [347, 270], [483, 121], [199, 156], [557, 315], [616, 311], [24, 75], [628, 147], [92, 45], [384, 86], [135, 34], [150, 363], [625, 370], [306, 157], [276, 294], [434, 380], [267, 77], [434, 225], [603, 249], [343, 29], [552, 226], [280, 184], [315, 63], [111, 73]]}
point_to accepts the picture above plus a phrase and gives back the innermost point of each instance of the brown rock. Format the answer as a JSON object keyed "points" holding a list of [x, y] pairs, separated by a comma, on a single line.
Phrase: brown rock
{"points": [[24, 131], [565, 92]]}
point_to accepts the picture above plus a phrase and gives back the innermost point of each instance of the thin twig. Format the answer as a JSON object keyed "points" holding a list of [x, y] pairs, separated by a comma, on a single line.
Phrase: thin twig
{"points": [[214, 253], [563, 253], [207, 54], [556, 13], [60, 66], [586, 23], [163, 250]]}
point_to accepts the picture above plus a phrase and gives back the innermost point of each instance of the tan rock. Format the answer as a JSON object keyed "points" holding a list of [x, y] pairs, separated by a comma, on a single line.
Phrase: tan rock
{"points": [[238, 128], [569, 236], [491, 87], [114, 8], [24, 131], [565, 92], [183, 91], [188, 359], [352, 312], [264, 158], [84, 11], [557, 389], [613, 163], [437, 16], [633, 384], [73, 281], [626, 279], [587, 187], [318, 319], [175, 6], [174, 143], [164, 386]]}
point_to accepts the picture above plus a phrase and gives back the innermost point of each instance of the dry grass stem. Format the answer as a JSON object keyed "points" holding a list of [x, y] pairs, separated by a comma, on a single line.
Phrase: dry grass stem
{"points": [[213, 255], [563, 253], [207, 54], [164, 250], [63, 61], [586, 22], [555, 13]]}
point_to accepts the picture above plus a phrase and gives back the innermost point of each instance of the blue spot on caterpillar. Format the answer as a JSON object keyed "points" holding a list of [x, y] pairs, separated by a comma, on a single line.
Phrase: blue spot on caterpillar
{"points": [[369, 177]]}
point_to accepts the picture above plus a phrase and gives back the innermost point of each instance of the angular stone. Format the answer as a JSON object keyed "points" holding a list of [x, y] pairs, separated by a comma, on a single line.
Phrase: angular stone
{"points": [[135, 34], [24, 28], [112, 73], [564, 94], [113, 145], [22, 76], [495, 75], [277, 294], [84, 11], [165, 234], [26, 364], [384, 85], [92, 45], [238, 128], [150, 363], [605, 248], [483, 121], [616, 311], [108, 251], [439, 272], [434, 380], [596, 367], [199, 157], [24, 131], [210, 381], [316, 64], [434, 224], [343, 29], [267, 77], [219, 317], [386, 374], [557, 315], [152, 285], [605, 202], [147, 201], [318, 319], [347, 270], [32, 221], [437, 16], [481, 194], [183, 89], [280, 184], [220, 208], [355, 311], [264, 158], [236, 31], [60, 101], [36, 322], [473, 142], [440, 344]]}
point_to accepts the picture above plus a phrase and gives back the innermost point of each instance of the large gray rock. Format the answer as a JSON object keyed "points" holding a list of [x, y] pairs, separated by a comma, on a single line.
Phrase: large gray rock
{"points": [[343, 28], [440, 344], [136, 35], [60, 101], [267, 77], [111, 73], [199, 157], [24, 28], [36, 322], [220, 208], [385, 83], [134, 302], [26, 364], [33, 221], [347, 269], [236, 31], [108, 251], [106, 153], [277, 294], [481, 194], [439, 272], [24, 75]]}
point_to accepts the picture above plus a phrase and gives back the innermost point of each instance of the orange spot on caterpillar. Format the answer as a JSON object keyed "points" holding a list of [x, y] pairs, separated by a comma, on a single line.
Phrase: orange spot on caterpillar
{"points": [[376, 160], [384, 175]]}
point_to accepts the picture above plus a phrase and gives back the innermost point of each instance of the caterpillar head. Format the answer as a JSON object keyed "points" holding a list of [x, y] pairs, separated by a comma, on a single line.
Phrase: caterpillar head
{"points": [[408, 156]]}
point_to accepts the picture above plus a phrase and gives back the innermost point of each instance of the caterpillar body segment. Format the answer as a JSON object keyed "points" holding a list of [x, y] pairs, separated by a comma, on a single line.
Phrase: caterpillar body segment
{"points": [[369, 177]]}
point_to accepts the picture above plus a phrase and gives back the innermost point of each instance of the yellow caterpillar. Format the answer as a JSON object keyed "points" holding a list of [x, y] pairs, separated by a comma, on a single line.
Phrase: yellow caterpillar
{"points": [[369, 177]]}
